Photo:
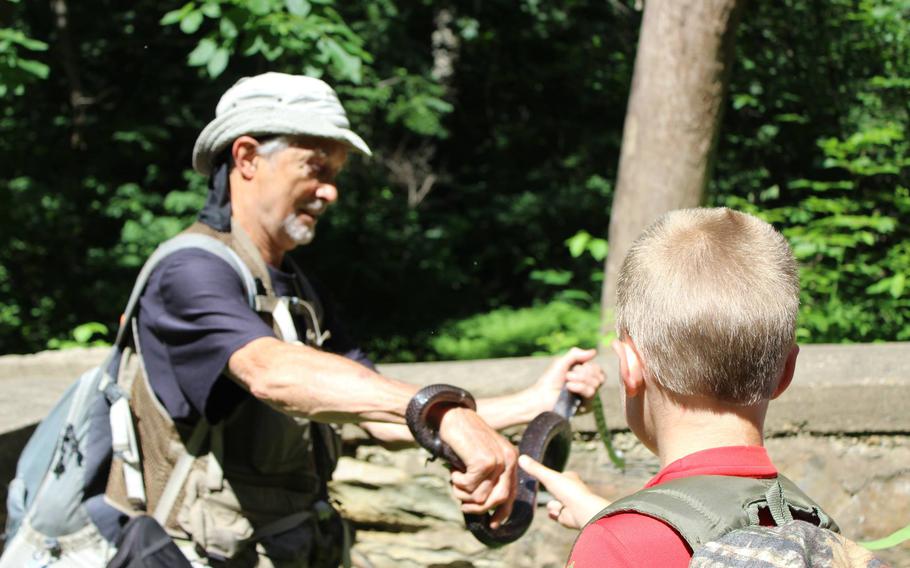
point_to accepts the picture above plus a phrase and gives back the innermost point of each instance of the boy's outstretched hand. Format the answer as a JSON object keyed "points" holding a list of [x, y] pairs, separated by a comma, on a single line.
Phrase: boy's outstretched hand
{"points": [[573, 503]]}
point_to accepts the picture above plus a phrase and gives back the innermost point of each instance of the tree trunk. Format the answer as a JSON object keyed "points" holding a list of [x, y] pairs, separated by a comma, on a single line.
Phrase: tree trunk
{"points": [[685, 51], [78, 100]]}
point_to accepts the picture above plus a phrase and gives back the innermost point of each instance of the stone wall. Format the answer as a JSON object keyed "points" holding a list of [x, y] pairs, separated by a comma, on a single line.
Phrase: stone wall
{"points": [[406, 518], [841, 432]]}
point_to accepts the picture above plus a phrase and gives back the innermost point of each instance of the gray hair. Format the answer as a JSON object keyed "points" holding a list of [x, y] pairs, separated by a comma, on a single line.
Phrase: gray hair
{"points": [[274, 145]]}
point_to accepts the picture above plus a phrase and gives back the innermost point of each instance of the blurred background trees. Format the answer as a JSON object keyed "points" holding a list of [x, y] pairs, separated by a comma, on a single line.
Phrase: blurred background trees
{"points": [[479, 227]]}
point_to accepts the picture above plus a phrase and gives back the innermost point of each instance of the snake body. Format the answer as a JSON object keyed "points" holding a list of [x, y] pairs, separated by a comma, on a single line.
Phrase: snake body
{"points": [[547, 439]]}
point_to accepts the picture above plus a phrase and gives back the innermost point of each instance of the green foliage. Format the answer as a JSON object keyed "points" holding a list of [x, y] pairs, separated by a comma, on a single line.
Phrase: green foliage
{"points": [[283, 32], [841, 201], [17, 68], [89, 334], [854, 252], [570, 318], [538, 330], [520, 139]]}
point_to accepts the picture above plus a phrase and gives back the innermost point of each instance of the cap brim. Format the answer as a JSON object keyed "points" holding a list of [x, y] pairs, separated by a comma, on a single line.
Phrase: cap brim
{"points": [[224, 129]]}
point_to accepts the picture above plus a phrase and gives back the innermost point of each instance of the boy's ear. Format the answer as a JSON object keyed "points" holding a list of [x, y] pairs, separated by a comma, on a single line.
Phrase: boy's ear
{"points": [[786, 376], [630, 368]]}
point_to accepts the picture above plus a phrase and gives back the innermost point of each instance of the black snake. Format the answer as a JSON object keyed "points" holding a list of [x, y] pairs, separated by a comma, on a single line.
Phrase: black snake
{"points": [[547, 439]]}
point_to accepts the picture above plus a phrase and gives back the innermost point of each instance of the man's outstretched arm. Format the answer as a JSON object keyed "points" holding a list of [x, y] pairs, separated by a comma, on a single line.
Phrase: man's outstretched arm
{"points": [[302, 381]]}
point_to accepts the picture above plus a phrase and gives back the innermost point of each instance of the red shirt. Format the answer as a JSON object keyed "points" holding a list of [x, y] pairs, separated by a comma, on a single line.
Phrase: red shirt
{"points": [[631, 539]]}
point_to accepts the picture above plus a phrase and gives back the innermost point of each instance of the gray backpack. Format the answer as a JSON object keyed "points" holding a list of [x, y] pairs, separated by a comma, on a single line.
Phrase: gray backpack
{"points": [[62, 472]]}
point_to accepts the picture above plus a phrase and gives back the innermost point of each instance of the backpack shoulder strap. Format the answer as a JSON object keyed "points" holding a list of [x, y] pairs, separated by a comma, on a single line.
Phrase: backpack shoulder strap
{"points": [[704, 508], [181, 242]]}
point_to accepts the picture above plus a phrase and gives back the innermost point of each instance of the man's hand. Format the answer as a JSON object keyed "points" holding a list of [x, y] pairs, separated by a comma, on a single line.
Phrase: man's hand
{"points": [[491, 474], [577, 371], [573, 504]]}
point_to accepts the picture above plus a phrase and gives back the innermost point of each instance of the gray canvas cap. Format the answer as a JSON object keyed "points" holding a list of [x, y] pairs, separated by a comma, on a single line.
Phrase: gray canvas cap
{"points": [[270, 104]]}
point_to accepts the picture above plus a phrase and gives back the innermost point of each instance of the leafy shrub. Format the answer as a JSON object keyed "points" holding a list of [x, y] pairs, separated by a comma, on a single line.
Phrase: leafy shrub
{"points": [[541, 329], [847, 234]]}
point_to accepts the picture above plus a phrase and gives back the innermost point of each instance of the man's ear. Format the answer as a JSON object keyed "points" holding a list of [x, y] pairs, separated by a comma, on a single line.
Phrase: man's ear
{"points": [[786, 376], [631, 372], [243, 151]]}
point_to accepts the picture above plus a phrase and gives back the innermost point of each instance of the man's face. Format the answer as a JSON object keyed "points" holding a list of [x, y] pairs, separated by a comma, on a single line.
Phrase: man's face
{"points": [[295, 186]]}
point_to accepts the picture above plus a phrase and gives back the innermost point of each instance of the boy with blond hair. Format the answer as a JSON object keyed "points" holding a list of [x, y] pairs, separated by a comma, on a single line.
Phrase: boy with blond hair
{"points": [[706, 311]]}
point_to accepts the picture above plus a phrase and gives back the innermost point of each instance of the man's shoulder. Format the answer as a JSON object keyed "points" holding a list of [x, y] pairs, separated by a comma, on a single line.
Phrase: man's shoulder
{"points": [[191, 268]]}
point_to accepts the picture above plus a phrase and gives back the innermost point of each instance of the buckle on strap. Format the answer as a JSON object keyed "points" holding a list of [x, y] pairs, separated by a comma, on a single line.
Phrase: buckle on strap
{"points": [[283, 307]]}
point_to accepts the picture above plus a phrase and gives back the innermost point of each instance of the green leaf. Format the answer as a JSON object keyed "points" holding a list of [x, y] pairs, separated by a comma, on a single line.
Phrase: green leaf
{"points": [[578, 243], [191, 22], [880, 287], [33, 67], [299, 8], [228, 28], [203, 53], [259, 7], [211, 9], [552, 277], [218, 62], [84, 332], [599, 249], [175, 16], [348, 66], [897, 285], [28, 43]]}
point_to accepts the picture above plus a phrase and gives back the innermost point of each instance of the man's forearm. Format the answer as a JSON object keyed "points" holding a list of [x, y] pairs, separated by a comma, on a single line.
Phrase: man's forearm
{"points": [[499, 412], [302, 381]]}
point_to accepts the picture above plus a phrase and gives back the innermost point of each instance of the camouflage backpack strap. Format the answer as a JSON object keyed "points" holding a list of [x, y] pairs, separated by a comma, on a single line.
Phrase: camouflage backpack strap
{"points": [[706, 507]]}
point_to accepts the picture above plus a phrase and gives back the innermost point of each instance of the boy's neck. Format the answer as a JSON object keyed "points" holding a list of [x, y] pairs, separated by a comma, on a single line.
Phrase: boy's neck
{"points": [[683, 430]]}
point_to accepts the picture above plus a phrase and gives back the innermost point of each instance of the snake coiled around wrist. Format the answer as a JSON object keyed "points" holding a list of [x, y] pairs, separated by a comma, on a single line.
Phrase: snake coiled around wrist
{"points": [[547, 439]]}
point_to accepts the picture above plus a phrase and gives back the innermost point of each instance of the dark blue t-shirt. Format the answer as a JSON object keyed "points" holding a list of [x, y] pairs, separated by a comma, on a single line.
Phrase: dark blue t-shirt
{"points": [[193, 316]]}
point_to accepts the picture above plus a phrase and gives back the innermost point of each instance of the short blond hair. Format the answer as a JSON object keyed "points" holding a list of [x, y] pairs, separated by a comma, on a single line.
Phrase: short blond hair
{"points": [[710, 298]]}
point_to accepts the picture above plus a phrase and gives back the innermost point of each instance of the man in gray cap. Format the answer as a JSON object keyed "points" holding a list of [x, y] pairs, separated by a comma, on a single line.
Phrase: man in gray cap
{"points": [[237, 390]]}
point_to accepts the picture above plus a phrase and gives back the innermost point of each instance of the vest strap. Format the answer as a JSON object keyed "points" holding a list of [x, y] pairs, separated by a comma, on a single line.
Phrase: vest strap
{"points": [[780, 510], [180, 472]]}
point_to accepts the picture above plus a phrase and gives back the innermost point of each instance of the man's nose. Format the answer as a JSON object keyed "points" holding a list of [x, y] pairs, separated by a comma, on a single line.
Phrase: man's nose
{"points": [[327, 192]]}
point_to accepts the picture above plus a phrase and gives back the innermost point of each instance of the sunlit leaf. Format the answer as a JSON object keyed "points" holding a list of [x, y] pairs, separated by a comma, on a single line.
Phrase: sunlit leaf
{"points": [[299, 8], [218, 62], [204, 51], [191, 22]]}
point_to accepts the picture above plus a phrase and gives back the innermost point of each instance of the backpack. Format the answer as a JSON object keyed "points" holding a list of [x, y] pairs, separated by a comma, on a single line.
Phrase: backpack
{"points": [[794, 544], [62, 471], [742, 522]]}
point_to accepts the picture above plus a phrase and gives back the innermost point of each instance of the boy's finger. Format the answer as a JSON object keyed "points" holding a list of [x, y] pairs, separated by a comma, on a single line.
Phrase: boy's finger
{"points": [[543, 474]]}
